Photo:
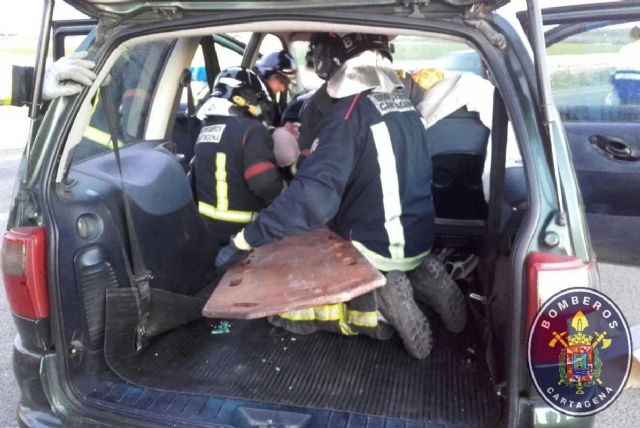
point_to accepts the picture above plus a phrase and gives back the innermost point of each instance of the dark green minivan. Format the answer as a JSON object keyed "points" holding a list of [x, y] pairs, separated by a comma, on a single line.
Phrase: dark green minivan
{"points": [[86, 218]]}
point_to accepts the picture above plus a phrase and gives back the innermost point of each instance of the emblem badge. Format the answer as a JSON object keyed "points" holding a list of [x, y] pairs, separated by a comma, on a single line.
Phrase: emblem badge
{"points": [[579, 351]]}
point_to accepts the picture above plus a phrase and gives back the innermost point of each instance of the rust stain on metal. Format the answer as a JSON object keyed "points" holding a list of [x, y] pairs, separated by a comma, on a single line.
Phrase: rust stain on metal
{"points": [[315, 268]]}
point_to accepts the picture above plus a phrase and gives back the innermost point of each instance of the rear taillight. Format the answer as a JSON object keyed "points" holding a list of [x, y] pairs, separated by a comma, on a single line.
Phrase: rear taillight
{"points": [[24, 272], [549, 274]]}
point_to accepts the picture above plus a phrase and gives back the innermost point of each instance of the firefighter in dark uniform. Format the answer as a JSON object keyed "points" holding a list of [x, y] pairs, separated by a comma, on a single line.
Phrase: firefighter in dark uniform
{"points": [[368, 178], [277, 70], [234, 172]]}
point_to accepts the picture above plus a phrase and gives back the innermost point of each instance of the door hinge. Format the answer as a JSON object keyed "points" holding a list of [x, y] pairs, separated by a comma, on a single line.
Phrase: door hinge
{"points": [[494, 37], [556, 234], [415, 5]]}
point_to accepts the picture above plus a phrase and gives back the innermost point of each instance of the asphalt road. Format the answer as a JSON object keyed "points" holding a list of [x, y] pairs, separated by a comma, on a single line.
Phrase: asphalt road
{"points": [[621, 283]]}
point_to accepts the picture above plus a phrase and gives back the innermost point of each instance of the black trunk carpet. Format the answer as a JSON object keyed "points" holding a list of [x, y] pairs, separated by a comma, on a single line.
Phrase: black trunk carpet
{"points": [[258, 362]]}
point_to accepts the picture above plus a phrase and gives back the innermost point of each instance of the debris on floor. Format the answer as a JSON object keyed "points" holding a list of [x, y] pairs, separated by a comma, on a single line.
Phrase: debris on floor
{"points": [[223, 328]]}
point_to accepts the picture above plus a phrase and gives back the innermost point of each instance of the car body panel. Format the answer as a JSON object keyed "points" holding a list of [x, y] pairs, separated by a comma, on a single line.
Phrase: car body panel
{"points": [[602, 128], [542, 206], [125, 7]]}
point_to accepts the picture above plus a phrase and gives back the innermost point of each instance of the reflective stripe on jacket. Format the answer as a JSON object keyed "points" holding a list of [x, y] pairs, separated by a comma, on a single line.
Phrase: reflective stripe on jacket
{"points": [[234, 171]]}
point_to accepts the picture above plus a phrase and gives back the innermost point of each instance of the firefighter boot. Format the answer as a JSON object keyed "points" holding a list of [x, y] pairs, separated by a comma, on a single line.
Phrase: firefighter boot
{"points": [[396, 304], [433, 286]]}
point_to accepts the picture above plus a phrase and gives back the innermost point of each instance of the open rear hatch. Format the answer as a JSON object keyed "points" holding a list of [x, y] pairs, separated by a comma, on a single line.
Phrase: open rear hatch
{"points": [[159, 8], [205, 373]]}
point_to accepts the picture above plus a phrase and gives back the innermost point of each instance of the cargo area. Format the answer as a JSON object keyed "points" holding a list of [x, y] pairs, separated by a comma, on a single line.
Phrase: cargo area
{"points": [[253, 362], [259, 363]]}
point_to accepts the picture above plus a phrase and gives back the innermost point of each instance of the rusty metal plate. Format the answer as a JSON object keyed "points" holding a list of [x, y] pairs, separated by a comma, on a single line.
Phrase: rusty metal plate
{"points": [[315, 268]]}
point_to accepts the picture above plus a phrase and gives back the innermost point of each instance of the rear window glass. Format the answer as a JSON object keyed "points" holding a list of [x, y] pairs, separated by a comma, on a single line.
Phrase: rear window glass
{"points": [[410, 53], [270, 43], [595, 74], [133, 79]]}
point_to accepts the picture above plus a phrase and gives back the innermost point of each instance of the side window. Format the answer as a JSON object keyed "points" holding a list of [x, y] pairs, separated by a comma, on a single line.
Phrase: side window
{"points": [[411, 53], [227, 57], [595, 75], [199, 82], [133, 80]]}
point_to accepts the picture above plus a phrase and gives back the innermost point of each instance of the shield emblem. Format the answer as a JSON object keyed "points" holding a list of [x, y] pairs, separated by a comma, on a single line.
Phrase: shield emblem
{"points": [[579, 363]]}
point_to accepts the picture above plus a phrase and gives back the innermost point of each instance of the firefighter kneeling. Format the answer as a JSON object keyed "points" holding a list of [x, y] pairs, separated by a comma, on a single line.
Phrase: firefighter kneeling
{"points": [[368, 178]]}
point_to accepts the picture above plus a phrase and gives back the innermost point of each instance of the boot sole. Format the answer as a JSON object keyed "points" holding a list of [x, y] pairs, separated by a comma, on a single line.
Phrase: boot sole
{"points": [[434, 286], [398, 306]]}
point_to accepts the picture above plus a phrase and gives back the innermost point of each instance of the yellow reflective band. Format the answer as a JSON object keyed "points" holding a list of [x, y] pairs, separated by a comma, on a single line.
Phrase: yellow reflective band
{"points": [[387, 264], [317, 313], [100, 137], [336, 312], [363, 319], [222, 189], [300, 315], [343, 322], [6, 85], [222, 211], [327, 312], [226, 215]]}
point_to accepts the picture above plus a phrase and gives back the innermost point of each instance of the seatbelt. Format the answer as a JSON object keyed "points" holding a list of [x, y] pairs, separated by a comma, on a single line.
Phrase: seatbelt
{"points": [[185, 82], [139, 275], [492, 241], [211, 63], [496, 183]]}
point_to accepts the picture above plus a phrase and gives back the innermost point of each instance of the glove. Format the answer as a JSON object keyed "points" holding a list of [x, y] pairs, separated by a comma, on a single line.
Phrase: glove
{"points": [[285, 146], [232, 254], [67, 76]]}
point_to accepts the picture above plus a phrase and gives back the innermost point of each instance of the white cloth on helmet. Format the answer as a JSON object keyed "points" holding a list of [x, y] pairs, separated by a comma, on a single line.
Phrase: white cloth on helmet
{"points": [[67, 76], [476, 93], [215, 106], [368, 70]]}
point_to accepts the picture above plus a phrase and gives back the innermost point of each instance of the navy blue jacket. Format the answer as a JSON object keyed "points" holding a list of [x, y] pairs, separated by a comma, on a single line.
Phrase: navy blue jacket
{"points": [[368, 177]]}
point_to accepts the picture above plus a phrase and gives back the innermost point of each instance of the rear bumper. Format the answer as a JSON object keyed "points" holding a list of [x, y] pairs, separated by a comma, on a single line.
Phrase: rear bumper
{"points": [[34, 409]]}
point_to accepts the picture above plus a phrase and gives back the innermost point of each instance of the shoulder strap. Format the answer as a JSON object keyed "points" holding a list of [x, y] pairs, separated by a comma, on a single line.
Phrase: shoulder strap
{"points": [[486, 270], [139, 275], [185, 82]]}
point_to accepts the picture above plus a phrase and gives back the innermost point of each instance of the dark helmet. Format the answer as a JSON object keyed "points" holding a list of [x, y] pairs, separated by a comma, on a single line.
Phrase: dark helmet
{"points": [[278, 63], [328, 51], [243, 88]]}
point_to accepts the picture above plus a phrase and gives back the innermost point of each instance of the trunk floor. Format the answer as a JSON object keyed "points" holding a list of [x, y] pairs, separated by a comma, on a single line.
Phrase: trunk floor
{"points": [[258, 362]]}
